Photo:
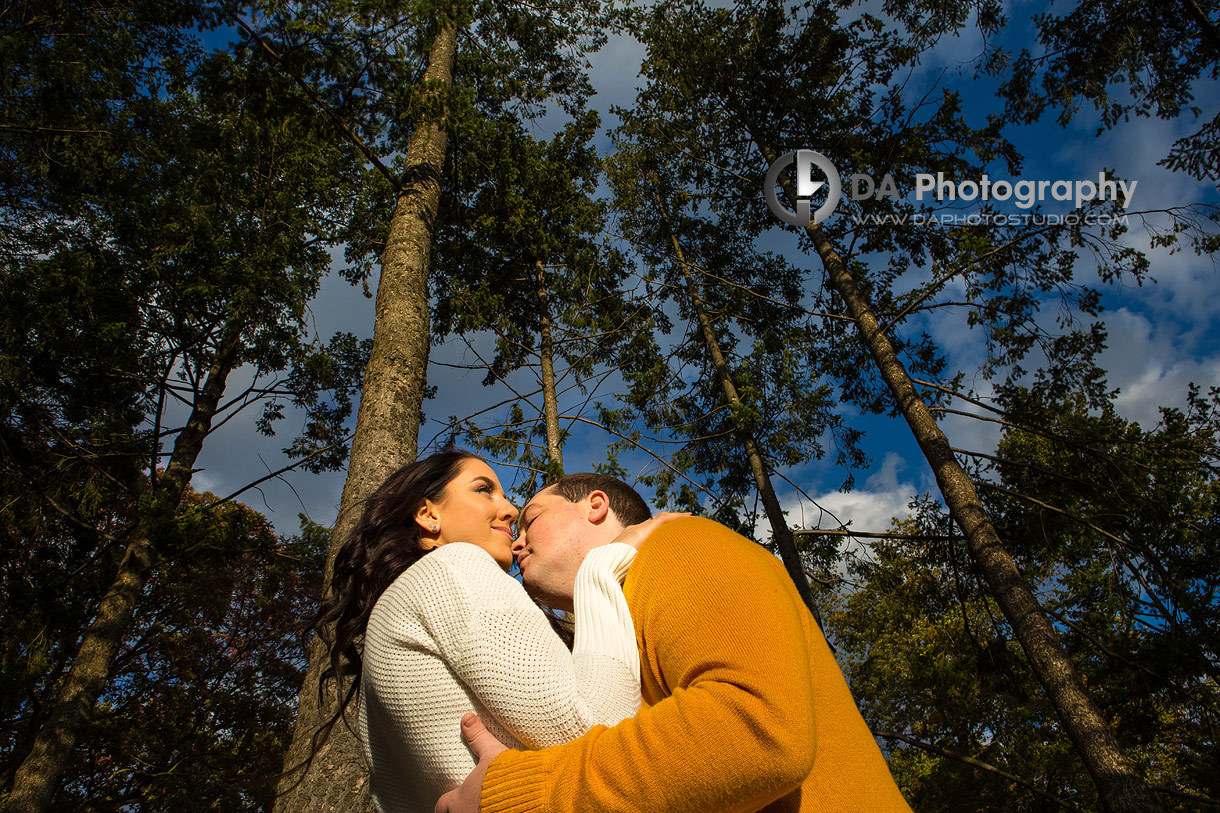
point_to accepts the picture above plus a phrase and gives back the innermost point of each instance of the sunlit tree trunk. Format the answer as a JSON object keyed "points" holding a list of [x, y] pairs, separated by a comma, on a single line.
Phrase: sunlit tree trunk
{"points": [[1118, 784], [550, 398], [387, 433]]}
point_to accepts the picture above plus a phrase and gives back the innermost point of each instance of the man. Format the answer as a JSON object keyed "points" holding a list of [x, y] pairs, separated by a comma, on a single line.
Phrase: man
{"points": [[744, 707]]}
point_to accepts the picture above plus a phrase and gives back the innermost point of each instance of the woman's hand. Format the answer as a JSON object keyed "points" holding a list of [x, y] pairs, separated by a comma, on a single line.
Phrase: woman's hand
{"points": [[636, 534]]}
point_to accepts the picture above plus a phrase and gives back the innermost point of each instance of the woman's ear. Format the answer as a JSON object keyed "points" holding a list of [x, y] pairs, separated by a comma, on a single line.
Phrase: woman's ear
{"points": [[427, 518]]}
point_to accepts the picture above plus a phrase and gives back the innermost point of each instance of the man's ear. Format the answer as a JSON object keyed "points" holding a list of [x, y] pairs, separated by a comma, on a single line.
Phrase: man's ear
{"points": [[599, 507]]}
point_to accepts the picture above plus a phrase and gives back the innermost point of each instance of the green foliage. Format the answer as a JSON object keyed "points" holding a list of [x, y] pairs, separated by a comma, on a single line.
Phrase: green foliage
{"points": [[517, 203], [205, 201], [160, 202], [1115, 527], [522, 257], [366, 62], [1122, 58], [697, 142], [80, 75]]}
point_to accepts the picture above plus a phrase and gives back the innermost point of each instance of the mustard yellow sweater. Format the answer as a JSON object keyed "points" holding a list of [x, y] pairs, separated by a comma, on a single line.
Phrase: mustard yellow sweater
{"points": [[744, 708]]}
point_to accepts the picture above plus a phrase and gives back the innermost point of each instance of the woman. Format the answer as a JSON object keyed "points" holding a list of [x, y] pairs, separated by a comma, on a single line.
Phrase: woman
{"points": [[446, 631]]}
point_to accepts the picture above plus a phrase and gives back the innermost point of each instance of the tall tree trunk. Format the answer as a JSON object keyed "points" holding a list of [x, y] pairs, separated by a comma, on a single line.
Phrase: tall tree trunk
{"points": [[758, 467], [36, 780], [550, 399], [387, 435], [1120, 788]]}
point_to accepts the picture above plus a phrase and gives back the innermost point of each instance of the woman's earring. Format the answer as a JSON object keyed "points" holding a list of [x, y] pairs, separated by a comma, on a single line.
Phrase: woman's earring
{"points": [[435, 528]]}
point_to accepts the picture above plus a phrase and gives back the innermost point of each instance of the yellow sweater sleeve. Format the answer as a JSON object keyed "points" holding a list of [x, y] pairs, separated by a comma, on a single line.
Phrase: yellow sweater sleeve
{"points": [[729, 719]]}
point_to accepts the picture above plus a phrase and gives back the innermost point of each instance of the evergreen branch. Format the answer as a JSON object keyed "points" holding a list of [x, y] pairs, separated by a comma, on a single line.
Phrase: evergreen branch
{"points": [[82, 454], [1019, 427], [14, 128], [1206, 27], [1125, 544], [975, 763], [1083, 444], [72, 518], [1181, 794], [1030, 466], [368, 154], [1088, 636], [960, 395], [935, 285]]}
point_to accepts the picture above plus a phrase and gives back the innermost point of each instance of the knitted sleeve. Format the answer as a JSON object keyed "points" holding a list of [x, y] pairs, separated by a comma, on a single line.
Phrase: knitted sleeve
{"points": [[501, 647], [605, 635]]}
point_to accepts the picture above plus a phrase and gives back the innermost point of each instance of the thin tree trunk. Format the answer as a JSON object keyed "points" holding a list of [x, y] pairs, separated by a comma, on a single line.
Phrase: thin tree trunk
{"points": [[550, 399], [1120, 788], [36, 780], [758, 467], [387, 436]]}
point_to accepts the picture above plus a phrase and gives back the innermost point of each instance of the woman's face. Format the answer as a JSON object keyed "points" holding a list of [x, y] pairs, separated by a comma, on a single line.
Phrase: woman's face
{"points": [[474, 509]]}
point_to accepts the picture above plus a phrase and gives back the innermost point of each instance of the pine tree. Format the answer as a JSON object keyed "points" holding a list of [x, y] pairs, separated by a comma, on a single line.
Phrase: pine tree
{"points": [[405, 84], [727, 89], [218, 263]]}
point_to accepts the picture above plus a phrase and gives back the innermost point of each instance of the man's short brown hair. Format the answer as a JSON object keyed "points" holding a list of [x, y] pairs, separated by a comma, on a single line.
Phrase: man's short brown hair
{"points": [[626, 504]]}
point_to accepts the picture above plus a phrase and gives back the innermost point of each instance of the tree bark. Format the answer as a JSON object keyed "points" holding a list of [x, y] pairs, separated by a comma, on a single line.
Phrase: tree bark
{"points": [[550, 399], [40, 772], [387, 435], [1119, 787], [784, 539]]}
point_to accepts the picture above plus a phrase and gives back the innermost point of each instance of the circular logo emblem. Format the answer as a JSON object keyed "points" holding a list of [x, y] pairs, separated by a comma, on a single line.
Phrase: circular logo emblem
{"points": [[806, 186]]}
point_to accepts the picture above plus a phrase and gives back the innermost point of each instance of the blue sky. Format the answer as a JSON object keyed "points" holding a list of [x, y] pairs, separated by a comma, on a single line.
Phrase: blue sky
{"points": [[1162, 334]]}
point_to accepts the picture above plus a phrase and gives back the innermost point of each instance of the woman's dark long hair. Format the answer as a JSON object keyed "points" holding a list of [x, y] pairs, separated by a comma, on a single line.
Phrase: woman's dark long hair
{"points": [[384, 543]]}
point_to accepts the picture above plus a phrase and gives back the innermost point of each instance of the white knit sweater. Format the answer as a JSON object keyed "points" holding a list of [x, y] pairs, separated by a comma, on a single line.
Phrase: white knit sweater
{"points": [[455, 633]]}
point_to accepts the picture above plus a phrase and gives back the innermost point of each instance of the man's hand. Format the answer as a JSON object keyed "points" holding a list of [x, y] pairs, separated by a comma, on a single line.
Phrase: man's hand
{"points": [[634, 535], [465, 797]]}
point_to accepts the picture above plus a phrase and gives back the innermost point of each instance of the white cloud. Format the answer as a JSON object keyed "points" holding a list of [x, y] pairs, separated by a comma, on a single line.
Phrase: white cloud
{"points": [[871, 508], [1149, 366]]}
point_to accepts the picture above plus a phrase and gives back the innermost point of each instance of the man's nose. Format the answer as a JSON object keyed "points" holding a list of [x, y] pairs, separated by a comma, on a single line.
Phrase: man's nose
{"points": [[519, 543]]}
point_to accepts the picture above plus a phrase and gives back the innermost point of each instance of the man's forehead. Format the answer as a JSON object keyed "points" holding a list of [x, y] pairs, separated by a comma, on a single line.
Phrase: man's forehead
{"points": [[541, 500]]}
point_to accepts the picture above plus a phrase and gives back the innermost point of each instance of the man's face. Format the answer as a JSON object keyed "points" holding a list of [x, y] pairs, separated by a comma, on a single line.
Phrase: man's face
{"points": [[553, 536]]}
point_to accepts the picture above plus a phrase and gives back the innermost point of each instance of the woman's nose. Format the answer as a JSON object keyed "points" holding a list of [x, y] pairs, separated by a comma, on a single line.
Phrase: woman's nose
{"points": [[510, 511]]}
